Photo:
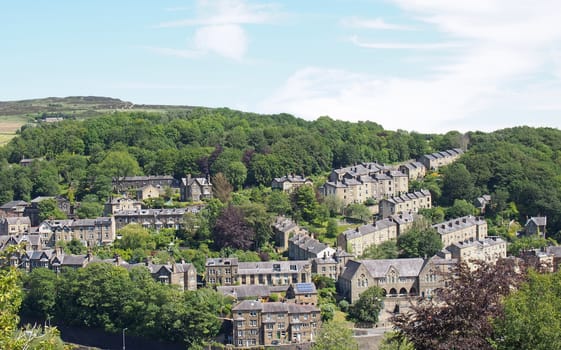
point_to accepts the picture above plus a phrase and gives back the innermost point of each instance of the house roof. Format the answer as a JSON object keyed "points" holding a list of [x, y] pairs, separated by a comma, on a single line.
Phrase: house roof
{"points": [[14, 204], [304, 288], [538, 220], [245, 291], [458, 224], [292, 178], [408, 197], [368, 228], [272, 266], [18, 220], [379, 268]]}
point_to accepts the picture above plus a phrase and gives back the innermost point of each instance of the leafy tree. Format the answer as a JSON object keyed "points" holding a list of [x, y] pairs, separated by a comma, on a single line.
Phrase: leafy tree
{"points": [[48, 209], [40, 296], [359, 212], [395, 341], [532, 315], [420, 241], [236, 173], [460, 208], [118, 164], [74, 246], [460, 315], [332, 228], [521, 244], [327, 311], [335, 336], [134, 236], [334, 204], [90, 207], [278, 203], [384, 250], [368, 306], [222, 188], [457, 184], [434, 215], [231, 230]]}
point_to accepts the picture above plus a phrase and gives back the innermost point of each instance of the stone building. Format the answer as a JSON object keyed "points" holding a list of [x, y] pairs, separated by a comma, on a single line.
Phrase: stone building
{"points": [[357, 240], [274, 323], [303, 247], [15, 225], [405, 203], [283, 229], [195, 189], [436, 160], [466, 228], [289, 183], [127, 183]]}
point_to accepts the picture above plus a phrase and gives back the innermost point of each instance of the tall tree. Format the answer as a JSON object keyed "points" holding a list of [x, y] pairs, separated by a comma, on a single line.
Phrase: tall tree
{"points": [[231, 230], [368, 306], [335, 336]]}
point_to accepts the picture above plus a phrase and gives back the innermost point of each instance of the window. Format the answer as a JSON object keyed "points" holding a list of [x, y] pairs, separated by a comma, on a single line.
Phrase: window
{"points": [[253, 313], [292, 267], [269, 335], [253, 323]]}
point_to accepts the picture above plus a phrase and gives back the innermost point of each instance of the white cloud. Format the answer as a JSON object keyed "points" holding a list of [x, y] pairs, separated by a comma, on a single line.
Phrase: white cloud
{"points": [[376, 23], [502, 51], [226, 40], [404, 46], [220, 25]]}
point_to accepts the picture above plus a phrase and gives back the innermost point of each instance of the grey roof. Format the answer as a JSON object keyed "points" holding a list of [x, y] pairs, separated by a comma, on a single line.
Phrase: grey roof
{"points": [[284, 224], [458, 224], [269, 266], [538, 220], [146, 178], [292, 178], [368, 228], [305, 242], [408, 197], [248, 305], [40, 198], [403, 218], [13, 204], [245, 291], [14, 220], [379, 268], [221, 261], [274, 307]]}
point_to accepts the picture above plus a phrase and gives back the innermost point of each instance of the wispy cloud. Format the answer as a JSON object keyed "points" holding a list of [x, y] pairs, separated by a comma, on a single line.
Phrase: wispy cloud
{"points": [[376, 23], [183, 53], [219, 27], [501, 52], [404, 46]]}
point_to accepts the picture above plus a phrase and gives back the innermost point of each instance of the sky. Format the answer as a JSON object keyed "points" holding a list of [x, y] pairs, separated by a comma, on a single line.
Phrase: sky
{"points": [[415, 65]]}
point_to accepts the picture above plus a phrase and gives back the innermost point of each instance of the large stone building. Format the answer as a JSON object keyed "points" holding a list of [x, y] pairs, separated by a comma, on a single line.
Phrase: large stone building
{"points": [[127, 183], [13, 208], [536, 226], [414, 170], [489, 249], [283, 229], [303, 247], [114, 205], [91, 232], [195, 189], [15, 225], [290, 183], [154, 218], [332, 266], [405, 203], [358, 239], [258, 324], [436, 160], [228, 271], [183, 275], [398, 278], [467, 228], [365, 181]]}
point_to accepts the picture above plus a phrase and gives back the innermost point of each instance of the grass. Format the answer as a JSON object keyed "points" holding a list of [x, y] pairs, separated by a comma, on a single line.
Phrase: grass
{"points": [[9, 125]]}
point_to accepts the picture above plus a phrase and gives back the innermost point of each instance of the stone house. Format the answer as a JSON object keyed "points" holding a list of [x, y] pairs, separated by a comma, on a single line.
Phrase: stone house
{"points": [[482, 202], [258, 292], [29, 242], [17, 225], [467, 228], [127, 183], [357, 240], [356, 187], [396, 277], [13, 208], [302, 293], [289, 183], [303, 247], [414, 170], [275, 323], [195, 189], [436, 160], [229, 271], [147, 192], [332, 266], [284, 228], [154, 218], [536, 225], [405, 203], [183, 275], [114, 205], [91, 232], [488, 249]]}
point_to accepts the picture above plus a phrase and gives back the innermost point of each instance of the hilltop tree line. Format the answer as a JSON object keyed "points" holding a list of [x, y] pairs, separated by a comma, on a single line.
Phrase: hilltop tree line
{"points": [[249, 149]]}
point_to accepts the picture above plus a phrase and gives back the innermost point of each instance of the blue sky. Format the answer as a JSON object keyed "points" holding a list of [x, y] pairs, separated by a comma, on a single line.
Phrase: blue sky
{"points": [[423, 65]]}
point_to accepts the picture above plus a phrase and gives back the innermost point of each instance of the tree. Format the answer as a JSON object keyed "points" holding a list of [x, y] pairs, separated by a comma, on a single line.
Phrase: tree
{"points": [[332, 228], [49, 210], [460, 315], [334, 204], [368, 306], [335, 336], [221, 188], [532, 315], [460, 208], [457, 183], [90, 207], [134, 236], [420, 241], [384, 250], [236, 173], [359, 212], [118, 164], [278, 203], [231, 230], [395, 341]]}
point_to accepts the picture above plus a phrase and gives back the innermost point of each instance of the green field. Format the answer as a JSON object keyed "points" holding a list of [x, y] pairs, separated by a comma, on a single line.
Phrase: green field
{"points": [[8, 127]]}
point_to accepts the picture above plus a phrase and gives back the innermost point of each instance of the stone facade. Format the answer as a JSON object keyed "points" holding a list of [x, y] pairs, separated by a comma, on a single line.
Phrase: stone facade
{"points": [[15, 225], [115, 205], [195, 189], [406, 203], [126, 183], [303, 247], [270, 324], [154, 218], [228, 271], [357, 240], [414, 170], [283, 229], [436, 160], [489, 249], [467, 228], [290, 183], [91, 232], [536, 226]]}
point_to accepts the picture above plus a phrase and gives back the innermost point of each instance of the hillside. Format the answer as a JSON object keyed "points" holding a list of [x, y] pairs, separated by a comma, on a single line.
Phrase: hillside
{"points": [[14, 114]]}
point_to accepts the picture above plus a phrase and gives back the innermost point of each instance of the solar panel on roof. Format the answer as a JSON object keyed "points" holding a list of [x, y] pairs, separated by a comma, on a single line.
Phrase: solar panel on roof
{"points": [[305, 287]]}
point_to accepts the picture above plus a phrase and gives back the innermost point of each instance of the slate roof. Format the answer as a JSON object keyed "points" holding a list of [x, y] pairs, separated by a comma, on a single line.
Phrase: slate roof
{"points": [[369, 228], [379, 268], [267, 266], [245, 291], [408, 197], [458, 224], [292, 178], [305, 242], [14, 220], [538, 220], [13, 204]]}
